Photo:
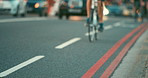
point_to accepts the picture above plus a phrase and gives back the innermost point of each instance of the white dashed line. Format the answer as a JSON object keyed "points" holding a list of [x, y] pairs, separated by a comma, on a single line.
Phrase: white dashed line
{"points": [[86, 34], [117, 24], [105, 27], [108, 27], [128, 26], [19, 66], [23, 19], [67, 43]]}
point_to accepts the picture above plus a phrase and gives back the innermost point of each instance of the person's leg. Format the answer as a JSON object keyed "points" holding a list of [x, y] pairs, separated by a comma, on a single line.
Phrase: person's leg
{"points": [[135, 14], [100, 13], [88, 6], [138, 11]]}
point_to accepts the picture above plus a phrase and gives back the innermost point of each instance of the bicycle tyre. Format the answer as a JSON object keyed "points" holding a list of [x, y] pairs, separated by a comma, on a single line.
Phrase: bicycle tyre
{"points": [[91, 33], [96, 33]]}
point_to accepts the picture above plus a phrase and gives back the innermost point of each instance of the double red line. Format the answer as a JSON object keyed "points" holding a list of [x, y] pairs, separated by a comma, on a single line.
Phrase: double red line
{"points": [[110, 52]]}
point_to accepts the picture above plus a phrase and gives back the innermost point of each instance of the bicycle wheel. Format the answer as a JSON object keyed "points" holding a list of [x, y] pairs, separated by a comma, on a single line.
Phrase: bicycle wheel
{"points": [[91, 33], [95, 23], [96, 33]]}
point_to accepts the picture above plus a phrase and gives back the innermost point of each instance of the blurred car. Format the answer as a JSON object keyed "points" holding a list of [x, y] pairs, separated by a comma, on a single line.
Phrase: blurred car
{"points": [[115, 9], [14, 7], [128, 10], [5, 6], [71, 7], [38, 6]]}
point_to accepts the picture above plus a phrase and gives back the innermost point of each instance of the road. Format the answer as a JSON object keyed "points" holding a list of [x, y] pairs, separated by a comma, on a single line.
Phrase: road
{"points": [[40, 47]]}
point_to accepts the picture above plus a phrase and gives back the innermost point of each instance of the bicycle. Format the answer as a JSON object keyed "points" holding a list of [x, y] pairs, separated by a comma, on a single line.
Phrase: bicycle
{"points": [[93, 22]]}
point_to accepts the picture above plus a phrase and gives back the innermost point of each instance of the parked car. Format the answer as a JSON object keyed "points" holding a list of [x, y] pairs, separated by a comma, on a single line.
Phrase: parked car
{"points": [[5, 6], [71, 7], [38, 6], [14, 7]]}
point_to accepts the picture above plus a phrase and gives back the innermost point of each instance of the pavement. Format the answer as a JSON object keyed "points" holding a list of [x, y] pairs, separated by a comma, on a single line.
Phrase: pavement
{"points": [[135, 63]]}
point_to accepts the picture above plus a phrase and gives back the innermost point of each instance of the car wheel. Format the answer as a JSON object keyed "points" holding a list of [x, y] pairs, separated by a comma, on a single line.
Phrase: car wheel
{"points": [[67, 17], [15, 15], [60, 16], [40, 14], [23, 15], [46, 14]]}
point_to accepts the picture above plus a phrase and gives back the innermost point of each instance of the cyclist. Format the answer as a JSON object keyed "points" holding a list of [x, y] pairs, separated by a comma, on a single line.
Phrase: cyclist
{"points": [[138, 8], [100, 13], [145, 8]]}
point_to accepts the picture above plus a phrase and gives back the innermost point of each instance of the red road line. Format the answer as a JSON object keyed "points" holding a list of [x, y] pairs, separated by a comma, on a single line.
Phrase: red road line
{"points": [[109, 53], [117, 60]]}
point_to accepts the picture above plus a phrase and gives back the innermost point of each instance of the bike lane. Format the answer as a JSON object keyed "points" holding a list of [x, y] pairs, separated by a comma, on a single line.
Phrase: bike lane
{"points": [[93, 70], [135, 63]]}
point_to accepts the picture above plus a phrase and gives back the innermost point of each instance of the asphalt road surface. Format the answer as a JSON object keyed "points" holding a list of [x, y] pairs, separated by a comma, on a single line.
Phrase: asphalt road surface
{"points": [[40, 47]]}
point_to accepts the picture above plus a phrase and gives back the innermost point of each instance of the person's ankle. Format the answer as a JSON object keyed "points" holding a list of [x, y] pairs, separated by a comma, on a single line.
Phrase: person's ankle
{"points": [[87, 20], [101, 25]]}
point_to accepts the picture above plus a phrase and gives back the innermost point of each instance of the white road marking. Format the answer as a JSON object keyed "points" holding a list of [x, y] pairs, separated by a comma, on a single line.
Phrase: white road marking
{"points": [[86, 34], [19, 66], [23, 19], [108, 27], [68, 43], [117, 24], [126, 26]]}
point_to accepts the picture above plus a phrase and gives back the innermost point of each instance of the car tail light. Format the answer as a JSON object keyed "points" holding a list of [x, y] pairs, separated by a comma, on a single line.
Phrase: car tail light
{"points": [[72, 6], [37, 5]]}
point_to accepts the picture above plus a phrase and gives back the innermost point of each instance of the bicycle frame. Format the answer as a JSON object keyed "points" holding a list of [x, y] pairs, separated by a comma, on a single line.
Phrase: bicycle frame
{"points": [[92, 29], [94, 13], [94, 4]]}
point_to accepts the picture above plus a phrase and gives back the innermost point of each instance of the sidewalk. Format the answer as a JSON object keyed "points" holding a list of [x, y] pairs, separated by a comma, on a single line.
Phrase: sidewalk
{"points": [[135, 63]]}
